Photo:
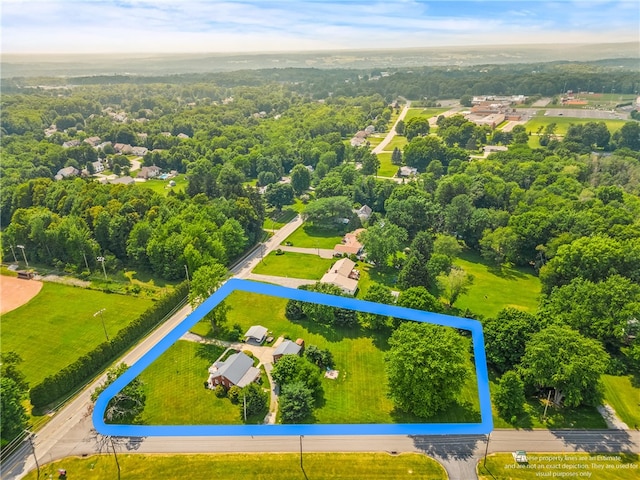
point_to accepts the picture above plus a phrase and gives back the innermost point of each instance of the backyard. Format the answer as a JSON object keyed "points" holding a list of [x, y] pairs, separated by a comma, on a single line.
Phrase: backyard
{"points": [[295, 265], [309, 236]]}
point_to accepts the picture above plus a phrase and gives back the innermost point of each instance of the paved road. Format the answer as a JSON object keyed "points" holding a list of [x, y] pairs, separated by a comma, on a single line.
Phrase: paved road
{"points": [[392, 133]]}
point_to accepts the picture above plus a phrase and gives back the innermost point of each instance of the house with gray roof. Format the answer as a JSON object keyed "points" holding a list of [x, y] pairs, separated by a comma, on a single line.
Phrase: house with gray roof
{"points": [[237, 370], [287, 347]]}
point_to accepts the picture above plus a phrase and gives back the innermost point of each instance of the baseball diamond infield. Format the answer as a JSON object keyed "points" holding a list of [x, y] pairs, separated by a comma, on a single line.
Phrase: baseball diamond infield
{"points": [[15, 292]]}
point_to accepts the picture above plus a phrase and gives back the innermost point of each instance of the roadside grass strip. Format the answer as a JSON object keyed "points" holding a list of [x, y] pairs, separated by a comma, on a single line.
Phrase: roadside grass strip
{"points": [[597, 466], [256, 466], [479, 359], [623, 394]]}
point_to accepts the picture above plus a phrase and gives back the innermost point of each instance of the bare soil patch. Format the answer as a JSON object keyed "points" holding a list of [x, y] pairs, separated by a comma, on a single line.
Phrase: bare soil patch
{"points": [[15, 292]]}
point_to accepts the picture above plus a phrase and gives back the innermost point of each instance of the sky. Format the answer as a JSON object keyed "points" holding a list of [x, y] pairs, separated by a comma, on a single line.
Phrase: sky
{"points": [[176, 26]]}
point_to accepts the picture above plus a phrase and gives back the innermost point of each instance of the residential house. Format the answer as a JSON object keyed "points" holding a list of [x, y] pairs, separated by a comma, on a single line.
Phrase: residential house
{"points": [[364, 213], [287, 347], [343, 275], [98, 166], [405, 171], [93, 141], [370, 129], [148, 172], [495, 148], [236, 370], [123, 148], [139, 151], [183, 135], [350, 244], [67, 172], [71, 143], [256, 334]]}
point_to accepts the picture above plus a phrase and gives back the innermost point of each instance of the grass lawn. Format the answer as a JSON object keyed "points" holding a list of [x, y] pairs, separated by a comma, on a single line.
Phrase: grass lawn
{"points": [[174, 385], [308, 236], [397, 141], [162, 186], [375, 140], [358, 357], [257, 466], [276, 220], [425, 112], [602, 466], [624, 397], [58, 326], [296, 265], [582, 417], [368, 275], [387, 169], [496, 287], [563, 125]]}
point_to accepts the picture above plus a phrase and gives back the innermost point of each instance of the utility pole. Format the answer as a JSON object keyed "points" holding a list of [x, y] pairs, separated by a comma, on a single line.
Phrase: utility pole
{"points": [[86, 264], [100, 312], [486, 450], [21, 247], [187, 273], [301, 465], [244, 405], [33, 449], [116, 456], [101, 260]]}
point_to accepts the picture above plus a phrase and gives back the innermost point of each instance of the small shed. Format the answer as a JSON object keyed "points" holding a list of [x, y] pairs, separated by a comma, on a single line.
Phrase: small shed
{"points": [[287, 347], [256, 334]]}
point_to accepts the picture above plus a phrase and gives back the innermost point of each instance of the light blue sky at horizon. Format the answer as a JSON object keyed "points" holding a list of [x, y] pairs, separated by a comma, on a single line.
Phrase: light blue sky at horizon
{"points": [[161, 26]]}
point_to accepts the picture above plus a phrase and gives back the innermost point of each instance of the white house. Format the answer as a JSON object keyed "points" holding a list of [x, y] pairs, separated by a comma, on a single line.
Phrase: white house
{"points": [[343, 275]]}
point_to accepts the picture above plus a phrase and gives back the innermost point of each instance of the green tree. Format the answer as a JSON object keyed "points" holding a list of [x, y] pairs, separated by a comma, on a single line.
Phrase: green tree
{"points": [[601, 310], [127, 405], [9, 362], [509, 396], [446, 245], [295, 402], [370, 164], [426, 367], [279, 194], [455, 283], [300, 178], [420, 151], [252, 401], [505, 337], [14, 416], [292, 368], [416, 126], [466, 101], [379, 294], [414, 272], [381, 241], [400, 127], [204, 282], [560, 359], [396, 156], [328, 212]]}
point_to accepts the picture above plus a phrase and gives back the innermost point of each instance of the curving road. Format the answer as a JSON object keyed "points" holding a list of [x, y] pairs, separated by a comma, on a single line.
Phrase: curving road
{"points": [[71, 432]]}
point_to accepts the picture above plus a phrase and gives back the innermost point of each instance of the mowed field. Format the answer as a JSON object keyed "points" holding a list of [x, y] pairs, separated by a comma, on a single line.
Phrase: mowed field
{"points": [[255, 466], [562, 125], [58, 326]]}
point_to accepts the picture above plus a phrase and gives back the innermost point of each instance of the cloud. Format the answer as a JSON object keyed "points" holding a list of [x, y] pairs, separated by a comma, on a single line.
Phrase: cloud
{"points": [[253, 25]]}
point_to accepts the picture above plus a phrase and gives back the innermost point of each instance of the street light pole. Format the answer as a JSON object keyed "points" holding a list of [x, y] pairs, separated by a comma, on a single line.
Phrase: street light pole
{"points": [[21, 247], [186, 269], [14, 254], [100, 312], [101, 259]]}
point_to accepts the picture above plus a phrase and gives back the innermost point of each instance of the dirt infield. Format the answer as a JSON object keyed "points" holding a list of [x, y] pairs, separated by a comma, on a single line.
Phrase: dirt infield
{"points": [[15, 292]]}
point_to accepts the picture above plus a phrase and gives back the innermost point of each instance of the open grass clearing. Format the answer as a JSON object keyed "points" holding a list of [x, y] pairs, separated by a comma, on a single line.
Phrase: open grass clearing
{"points": [[624, 397], [162, 186], [309, 236], [496, 287], [358, 356], [425, 112], [375, 140], [562, 125], [295, 265], [600, 466], [256, 466], [174, 384], [386, 169], [58, 326], [397, 141]]}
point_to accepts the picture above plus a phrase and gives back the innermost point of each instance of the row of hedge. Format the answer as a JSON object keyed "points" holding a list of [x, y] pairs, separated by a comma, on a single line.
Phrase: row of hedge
{"points": [[56, 386]]}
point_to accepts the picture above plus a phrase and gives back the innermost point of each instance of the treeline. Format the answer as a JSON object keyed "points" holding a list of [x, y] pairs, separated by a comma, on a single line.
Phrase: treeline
{"points": [[57, 386], [69, 224]]}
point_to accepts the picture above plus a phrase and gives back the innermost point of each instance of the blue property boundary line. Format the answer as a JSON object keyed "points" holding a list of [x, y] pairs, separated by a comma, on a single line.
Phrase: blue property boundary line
{"points": [[234, 284]]}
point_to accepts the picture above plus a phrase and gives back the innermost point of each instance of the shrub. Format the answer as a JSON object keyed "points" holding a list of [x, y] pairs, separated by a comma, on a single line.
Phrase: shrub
{"points": [[220, 391], [234, 394]]}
